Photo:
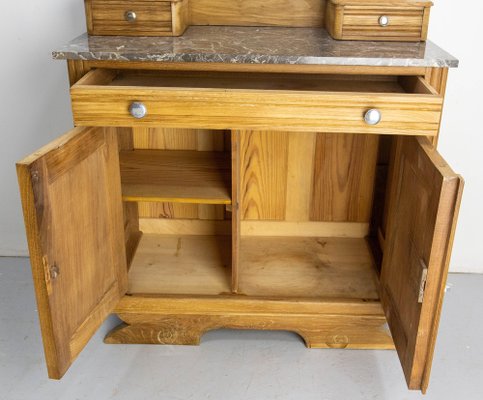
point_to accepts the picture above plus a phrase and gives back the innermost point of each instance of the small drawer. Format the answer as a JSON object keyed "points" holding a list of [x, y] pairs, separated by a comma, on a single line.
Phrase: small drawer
{"points": [[322, 103], [136, 18], [381, 20]]}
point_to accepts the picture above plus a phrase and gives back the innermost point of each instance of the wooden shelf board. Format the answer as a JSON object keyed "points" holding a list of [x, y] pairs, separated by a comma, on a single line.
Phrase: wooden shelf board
{"points": [[179, 176], [307, 267], [173, 264]]}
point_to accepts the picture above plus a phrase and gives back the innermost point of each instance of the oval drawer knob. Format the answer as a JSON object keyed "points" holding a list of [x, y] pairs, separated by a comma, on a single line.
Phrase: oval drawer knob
{"points": [[383, 20], [130, 16], [138, 110], [372, 116]]}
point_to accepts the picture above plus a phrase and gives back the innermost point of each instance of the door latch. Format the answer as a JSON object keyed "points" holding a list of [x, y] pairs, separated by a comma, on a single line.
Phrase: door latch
{"points": [[53, 271], [422, 283]]}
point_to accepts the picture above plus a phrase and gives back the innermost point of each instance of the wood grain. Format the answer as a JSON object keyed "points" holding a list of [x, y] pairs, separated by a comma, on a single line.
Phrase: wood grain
{"points": [[254, 13], [169, 264], [263, 174], [180, 139], [175, 176], [185, 226], [71, 197], [265, 68], [168, 210], [321, 323], [423, 206], [236, 208], [180, 17], [356, 20], [344, 174], [317, 332], [300, 170], [304, 229], [153, 18], [131, 210], [307, 267], [339, 111], [437, 78]]}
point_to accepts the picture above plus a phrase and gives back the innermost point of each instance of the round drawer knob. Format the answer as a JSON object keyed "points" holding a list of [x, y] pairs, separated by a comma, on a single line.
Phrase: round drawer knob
{"points": [[130, 16], [372, 116], [383, 20], [138, 110]]}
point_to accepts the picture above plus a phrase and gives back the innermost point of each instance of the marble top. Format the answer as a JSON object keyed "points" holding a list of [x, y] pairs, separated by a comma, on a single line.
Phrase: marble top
{"points": [[255, 45]]}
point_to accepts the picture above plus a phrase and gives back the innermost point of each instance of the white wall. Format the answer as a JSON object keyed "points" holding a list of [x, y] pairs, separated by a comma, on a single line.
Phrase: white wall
{"points": [[459, 30], [35, 106], [34, 98]]}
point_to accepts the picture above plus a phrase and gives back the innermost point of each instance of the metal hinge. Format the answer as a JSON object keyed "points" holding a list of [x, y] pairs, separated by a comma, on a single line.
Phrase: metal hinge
{"points": [[422, 283]]}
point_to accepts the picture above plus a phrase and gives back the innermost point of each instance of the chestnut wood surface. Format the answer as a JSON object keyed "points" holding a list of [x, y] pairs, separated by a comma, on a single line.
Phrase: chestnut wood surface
{"points": [[328, 103], [293, 13], [181, 176], [307, 267], [296, 166], [71, 198], [334, 323], [152, 17], [423, 206], [190, 265], [359, 20]]}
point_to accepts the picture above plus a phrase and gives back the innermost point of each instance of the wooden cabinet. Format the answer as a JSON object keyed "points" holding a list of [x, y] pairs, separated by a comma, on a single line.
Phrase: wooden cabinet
{"points": [[198, 217]]}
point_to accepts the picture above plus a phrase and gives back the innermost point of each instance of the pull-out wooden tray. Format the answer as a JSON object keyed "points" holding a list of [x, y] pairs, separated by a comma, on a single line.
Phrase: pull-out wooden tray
{"points": [[326, 103]]}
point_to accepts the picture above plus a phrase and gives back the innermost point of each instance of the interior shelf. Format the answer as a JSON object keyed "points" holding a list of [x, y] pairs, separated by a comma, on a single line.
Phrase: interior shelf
{"points": [[182, 176], [307, 267], [191, 265]]}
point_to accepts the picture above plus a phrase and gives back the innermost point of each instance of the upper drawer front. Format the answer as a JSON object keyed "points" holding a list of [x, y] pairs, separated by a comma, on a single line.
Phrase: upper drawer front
{"points": [[403, 20], [135, 18], [403, 106], [382, 23]]}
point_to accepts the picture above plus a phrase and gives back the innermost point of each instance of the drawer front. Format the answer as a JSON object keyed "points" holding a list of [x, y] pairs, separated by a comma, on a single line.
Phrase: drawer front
{"points": [[129, 18], [382, 23], [99, 104], [380, 20]]}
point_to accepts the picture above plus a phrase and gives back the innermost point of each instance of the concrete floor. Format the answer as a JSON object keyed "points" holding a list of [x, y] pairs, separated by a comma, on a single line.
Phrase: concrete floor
{"points": [[233, 364]]}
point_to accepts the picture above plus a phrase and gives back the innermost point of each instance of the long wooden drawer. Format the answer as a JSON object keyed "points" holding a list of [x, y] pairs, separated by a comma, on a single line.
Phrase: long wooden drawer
{"points": [[323, 103], [382, 20], [136, 17]]}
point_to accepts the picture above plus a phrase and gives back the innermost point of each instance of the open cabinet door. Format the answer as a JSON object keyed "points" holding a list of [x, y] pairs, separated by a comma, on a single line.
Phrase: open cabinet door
{"points": [[423, 208], [71, 197]]}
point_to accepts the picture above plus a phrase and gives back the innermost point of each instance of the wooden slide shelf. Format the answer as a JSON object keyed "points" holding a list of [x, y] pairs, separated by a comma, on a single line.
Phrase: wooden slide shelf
{"points": [[179, 176]]}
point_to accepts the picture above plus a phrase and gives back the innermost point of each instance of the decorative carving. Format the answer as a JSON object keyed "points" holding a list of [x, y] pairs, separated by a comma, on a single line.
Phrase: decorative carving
{"points": [[317, 331]]}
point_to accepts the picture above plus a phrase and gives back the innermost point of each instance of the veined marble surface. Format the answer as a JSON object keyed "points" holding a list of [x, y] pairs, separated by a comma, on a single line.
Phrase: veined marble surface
{"points": [[255, 45]]}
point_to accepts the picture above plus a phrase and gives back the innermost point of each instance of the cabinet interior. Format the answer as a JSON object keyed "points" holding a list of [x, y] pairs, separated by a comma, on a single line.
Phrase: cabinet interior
{"points": [[301, 234], [256, 81]]}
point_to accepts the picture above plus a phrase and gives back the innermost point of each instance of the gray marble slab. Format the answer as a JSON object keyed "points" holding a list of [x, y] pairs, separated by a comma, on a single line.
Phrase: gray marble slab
{"points": [[255, 45]]}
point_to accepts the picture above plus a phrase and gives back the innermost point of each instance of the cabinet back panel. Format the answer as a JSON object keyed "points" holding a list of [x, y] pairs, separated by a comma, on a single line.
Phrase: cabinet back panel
{"points": [[307, 177], [294, 13]]}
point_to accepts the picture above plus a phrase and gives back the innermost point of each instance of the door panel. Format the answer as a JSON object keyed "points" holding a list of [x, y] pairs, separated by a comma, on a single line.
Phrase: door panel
{"points": [[71, 197], [422, 215]]}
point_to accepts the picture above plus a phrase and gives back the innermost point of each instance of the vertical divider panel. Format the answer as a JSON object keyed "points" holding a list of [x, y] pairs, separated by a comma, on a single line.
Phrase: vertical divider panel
{"points": [[236, 208], [130, 209]]}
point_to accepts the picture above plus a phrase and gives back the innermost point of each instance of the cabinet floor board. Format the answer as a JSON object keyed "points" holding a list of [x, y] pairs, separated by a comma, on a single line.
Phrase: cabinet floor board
{"points": [[174, 264], [307, 267]]}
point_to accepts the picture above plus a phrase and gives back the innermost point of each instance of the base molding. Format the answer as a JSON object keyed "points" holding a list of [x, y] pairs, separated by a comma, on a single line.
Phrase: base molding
{"points": [[171, 321]]}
